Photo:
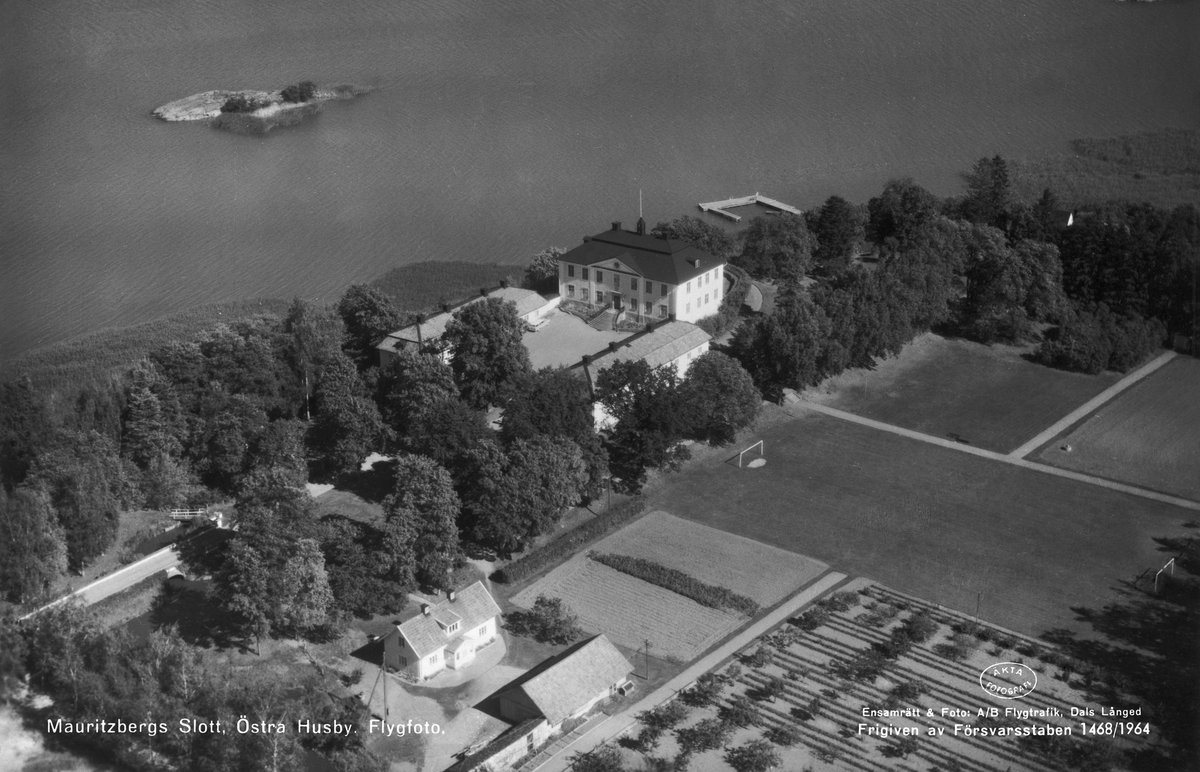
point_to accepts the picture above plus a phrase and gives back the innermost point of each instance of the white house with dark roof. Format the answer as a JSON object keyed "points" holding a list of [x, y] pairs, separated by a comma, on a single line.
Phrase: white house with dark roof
{"points": [[531, 308], [444, 635], [640, 276], [569, 685]]}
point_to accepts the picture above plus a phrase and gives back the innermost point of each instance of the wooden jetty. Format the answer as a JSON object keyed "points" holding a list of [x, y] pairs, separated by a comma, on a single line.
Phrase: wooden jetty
{"points": [[721, 207]]}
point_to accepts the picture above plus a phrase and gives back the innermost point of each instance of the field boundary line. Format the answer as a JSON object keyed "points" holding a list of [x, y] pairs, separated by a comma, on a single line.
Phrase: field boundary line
{"points": [[1021, 462], [1083, 410], [615, 725]]}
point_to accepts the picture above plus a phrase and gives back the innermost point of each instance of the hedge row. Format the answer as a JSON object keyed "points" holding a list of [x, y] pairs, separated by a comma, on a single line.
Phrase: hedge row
{"points": [[570, 542], [679, 582]]}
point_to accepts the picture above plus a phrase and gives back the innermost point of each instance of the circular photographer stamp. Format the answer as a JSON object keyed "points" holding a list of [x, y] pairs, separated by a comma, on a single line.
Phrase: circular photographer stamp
{"points": [[1008, 680]]}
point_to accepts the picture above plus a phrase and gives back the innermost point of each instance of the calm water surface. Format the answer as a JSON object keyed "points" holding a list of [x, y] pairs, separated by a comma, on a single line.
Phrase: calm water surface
{"points": [[499, 128]]}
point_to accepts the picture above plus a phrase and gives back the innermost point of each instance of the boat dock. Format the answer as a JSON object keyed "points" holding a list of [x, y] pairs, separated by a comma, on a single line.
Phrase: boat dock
{"points": [[720, 207]]}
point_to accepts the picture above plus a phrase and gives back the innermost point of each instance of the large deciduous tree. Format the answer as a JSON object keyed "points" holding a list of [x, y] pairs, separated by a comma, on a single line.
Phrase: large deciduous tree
{"points": [[719, 398], [645, 402], [900, 212], [487, 355], [710, 238], [839, 230], [369, 317], [347, 427], [777, 248], [988, 192], [541, 275], [313, 337], [785, 348], [410, 386], [33, 549], [425, 508]]}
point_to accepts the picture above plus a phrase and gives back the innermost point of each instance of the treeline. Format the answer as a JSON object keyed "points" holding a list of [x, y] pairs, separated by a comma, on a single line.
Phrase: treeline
{"points": [[1100, 294], [250, 412], [150, 684]]}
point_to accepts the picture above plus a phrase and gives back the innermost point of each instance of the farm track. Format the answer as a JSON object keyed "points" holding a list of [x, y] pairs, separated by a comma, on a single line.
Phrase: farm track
{"points": [[871, 695]]}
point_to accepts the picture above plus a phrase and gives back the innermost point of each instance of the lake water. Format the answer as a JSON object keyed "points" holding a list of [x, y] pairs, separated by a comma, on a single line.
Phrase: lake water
{"points": [[498, 128]]}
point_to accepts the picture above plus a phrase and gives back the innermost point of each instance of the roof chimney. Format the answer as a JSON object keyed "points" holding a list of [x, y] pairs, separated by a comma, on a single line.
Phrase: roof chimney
{"points": [[616, 225], [445, 308], [452, 595], [612, 346], [483, 292], [641, 226], [586, 239], [504, 284], [650, 326], [425, 609]]}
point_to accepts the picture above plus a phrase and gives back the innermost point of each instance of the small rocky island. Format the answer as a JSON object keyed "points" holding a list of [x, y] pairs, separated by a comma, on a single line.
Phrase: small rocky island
{"points": [[254, 112]]}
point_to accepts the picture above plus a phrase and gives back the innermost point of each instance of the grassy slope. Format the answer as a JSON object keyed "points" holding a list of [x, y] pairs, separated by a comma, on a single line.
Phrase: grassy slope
{"points": [[422, 286], [988, 395], [931, 521], [1162, 167]]}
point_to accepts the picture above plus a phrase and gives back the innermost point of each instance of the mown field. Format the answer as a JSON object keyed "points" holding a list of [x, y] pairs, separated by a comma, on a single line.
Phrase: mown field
{"points": [[759, 571], [630, 611], [1148, 436], [935, 522], [987, 396]]}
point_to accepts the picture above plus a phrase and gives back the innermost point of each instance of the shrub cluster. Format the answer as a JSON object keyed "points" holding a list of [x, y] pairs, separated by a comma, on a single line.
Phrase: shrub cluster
{"points": [[570, 542], [1092, 342], [299, 92], [840, 601], [678, 582], [812, 619], [240, 103]]}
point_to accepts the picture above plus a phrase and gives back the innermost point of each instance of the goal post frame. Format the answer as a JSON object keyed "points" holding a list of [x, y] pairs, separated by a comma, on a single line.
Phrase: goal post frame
{"points": [[762, 451]]}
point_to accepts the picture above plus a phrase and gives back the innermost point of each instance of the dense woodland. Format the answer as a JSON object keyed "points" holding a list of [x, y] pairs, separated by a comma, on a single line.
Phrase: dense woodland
{"points": [[248, 412]]}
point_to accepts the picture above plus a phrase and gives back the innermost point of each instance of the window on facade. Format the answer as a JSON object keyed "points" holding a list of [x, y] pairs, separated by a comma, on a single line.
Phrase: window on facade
{"points": [[583, 293], [633, 285], [689, 288], [599, 275], [649, 307], [452, 628], [584, 274], [616, 282], [599, 296], [570, 290], [662, 310], [433, 658], [664, 290], [687, 309], [649, 288], [403, 661], [706, 298], [570, 272]]}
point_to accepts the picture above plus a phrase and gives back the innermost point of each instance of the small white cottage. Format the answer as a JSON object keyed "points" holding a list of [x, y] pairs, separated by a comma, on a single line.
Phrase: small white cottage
{"points": [[444, 635]]}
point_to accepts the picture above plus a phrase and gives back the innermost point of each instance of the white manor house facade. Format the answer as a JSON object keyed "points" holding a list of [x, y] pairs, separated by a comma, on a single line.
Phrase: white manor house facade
{"points": [[642, 278]]}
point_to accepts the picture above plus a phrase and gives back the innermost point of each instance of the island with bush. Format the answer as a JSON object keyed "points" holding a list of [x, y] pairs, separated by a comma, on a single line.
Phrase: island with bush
{"points": [[254, 111]]}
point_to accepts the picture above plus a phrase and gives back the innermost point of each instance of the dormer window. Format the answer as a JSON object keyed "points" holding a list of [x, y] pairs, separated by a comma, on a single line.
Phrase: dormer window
{"points": [[452, 629]]}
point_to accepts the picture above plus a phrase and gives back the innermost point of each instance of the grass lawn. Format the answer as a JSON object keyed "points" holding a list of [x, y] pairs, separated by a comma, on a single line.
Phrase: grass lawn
{"points": [[988, 396], [1149, 435], [932, 521]]}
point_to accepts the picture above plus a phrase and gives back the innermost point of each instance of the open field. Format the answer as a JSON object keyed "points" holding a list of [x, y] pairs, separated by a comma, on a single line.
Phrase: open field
{"points": [[824, 707], [759, 571], [629, 610], [1148, 436], [988, 396], [941, 524]]}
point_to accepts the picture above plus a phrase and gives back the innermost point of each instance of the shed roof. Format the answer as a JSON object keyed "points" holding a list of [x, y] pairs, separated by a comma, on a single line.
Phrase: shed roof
{"points": [[671, 261], [666, 343], [473, 604], [575, 678]]}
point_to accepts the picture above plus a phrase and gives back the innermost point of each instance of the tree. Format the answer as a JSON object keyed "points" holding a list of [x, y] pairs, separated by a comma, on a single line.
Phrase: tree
{"points": [[754, 756], [369, 317], [740, 711], [786, 735], [839, 230], [487, 353], [347, 427], [299, 92], [513, 495], [24, 430], [706, 691], [555, 402], [425, 501], [719, 398], [446, 431], [245, 584], [784, 349], [777, 248], [900, 212], [410, 386], [606, 758], [709, 238], [314, 338], [549, 621], [301, 588], [149, 428], [988, 192], [33, 549], [645, 402], [706, 735], [541, 275]]}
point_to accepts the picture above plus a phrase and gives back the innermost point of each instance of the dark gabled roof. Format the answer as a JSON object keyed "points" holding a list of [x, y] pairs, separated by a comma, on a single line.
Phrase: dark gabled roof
{"points": [[474, 605], [560, 687], [664, 260]]}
